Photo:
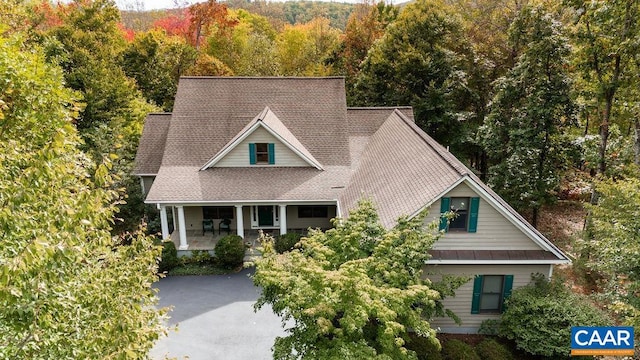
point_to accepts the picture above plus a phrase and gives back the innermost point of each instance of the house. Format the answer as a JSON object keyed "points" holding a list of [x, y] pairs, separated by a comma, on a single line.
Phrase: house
{"points": [[286, 154]]}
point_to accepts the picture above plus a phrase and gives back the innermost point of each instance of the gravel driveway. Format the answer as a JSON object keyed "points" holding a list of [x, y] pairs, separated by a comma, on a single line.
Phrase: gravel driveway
{"points": [[215, 319]]}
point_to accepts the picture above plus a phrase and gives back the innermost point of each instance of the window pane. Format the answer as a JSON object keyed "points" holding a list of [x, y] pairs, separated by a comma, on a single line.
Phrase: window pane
{"points": [[320, 211], [305, 211], [226, 212], [262, 147], [490, 302], [458, 204], [459, 222], [262, 152], [492, 284]]}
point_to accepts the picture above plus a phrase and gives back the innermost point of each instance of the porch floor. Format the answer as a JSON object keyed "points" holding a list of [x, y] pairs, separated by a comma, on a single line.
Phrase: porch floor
{"points": [[208, 241]]}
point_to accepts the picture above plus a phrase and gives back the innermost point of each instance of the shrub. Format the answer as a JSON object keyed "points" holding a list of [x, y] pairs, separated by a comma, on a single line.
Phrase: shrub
{"points": [[539, 316], [425, 349], [458, 350], [489, 327], [286, 242], [489, 349], [197, 257], [230, 251], [169, 257]]}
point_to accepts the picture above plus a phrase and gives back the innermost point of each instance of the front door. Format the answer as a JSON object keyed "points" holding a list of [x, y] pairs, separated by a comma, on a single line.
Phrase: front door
{"points": [[265, 215]]}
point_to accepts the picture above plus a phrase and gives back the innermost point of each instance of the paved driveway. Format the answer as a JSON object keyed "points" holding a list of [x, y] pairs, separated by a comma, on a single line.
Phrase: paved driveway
{"points": [[215, 319]]}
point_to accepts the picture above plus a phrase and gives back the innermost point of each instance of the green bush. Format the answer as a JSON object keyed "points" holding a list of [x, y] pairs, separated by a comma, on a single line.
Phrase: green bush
{"points": [[286, 242], [197, 257], [169, 257], [424, 348], [230, 251], [489, 327], [539, 316], [458, 350], [489, 349]]}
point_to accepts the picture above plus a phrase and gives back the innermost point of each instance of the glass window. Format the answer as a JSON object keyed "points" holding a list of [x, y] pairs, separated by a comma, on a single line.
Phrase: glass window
{"points": [[217, 212], [460, 206], [305, 211], [262, 153], [491, 297]]}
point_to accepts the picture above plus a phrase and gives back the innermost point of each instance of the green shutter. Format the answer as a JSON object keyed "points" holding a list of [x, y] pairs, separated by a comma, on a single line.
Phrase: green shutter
{"points": [[473, 214], [506, 289], [477, 291], [252, 153], [444, 207], [272, 153]]}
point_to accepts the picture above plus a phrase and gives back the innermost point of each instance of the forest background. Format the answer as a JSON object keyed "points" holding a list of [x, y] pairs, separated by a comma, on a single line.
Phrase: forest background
{"points": [[540, 98]]}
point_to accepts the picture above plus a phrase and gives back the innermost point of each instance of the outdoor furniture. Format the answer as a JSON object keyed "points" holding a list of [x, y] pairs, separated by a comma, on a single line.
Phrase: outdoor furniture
{"points": [[207, 225], [225, 224]]}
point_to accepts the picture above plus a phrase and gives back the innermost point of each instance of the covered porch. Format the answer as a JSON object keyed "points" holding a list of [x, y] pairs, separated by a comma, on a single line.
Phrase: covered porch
{"points": [[200, 226]]}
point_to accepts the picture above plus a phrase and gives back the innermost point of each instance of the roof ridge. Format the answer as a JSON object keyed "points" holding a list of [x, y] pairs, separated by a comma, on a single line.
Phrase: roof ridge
{"points": [[451, 160]]}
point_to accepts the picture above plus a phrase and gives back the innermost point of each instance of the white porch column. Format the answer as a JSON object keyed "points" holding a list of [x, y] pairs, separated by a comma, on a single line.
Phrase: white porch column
{"points": [[283, 219], [164, 224], [239, 221], [182, 229]]}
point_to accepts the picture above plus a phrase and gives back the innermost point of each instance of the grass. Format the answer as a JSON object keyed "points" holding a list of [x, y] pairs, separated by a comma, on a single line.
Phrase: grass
{"points": [[199, 269]]}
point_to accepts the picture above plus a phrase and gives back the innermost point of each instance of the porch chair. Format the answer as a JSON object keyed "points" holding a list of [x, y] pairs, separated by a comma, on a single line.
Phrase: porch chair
{"points": [[207, 225], [225, 224]]}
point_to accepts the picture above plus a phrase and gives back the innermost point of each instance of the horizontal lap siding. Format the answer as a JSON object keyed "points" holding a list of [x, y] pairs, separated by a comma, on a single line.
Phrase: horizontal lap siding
{"points": [[239, 156], [494, 231], [461, 303]]}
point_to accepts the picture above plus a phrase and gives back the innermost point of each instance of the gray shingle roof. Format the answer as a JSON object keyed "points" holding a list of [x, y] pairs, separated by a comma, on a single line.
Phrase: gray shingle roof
{"points": [[372, 152], [152, 144]]}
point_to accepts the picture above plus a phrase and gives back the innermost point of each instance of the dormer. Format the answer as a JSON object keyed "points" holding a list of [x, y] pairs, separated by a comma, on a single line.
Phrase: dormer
{"points": [[264, 142]]}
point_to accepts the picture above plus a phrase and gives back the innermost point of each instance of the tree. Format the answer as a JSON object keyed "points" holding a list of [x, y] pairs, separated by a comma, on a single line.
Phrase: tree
{"points": [[207, 16], [610, 250], [419, 62], [156, 61], [353, 292], [524, 133], [607, 39], [68, 289]]}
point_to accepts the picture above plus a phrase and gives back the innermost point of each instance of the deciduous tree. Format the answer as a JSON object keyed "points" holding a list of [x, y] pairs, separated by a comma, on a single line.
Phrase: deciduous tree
{"points": [[68, 289], [353, 292], [523, 134]]}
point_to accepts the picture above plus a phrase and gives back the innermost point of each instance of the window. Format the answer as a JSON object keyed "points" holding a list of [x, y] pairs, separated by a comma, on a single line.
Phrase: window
{"points": [[460, 206], [489, 293], [466, 209], [262, 153], [217, 212], [313, 211]]}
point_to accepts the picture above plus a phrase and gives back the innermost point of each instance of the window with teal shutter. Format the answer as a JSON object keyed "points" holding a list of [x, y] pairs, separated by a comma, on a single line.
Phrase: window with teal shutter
{"points": [[252, 153], [444, 207], [272, 153], [490, 292]]}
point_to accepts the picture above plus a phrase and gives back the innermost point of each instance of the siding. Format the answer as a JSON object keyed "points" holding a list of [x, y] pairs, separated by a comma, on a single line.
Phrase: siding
{"points": [[147, 181], [461, 303], [494, 231], [239, 156]]}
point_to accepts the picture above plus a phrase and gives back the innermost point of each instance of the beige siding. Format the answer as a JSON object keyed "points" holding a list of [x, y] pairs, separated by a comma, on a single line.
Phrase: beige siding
{"points": [[147, 181], [461, 303], [494, 231], [239, 156], [294, 222]]}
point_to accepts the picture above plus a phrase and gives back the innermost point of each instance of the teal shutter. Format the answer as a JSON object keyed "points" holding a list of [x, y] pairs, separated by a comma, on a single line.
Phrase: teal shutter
{"points": [[272, 153], [506, 289], [252, 153], [473, 214], [477, 291], [445, 205]]}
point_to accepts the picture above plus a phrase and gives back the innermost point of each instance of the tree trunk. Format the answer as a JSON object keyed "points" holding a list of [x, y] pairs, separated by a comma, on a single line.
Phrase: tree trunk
{"points": [[604, 132], [636, 122]]}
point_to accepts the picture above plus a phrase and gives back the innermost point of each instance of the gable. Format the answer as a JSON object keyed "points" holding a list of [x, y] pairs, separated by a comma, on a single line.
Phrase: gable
{"points": [[239, 156], [494, 231]]}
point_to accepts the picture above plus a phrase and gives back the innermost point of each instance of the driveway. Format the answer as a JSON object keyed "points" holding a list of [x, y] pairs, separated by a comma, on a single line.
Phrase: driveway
{"points": [[215, 319]]}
